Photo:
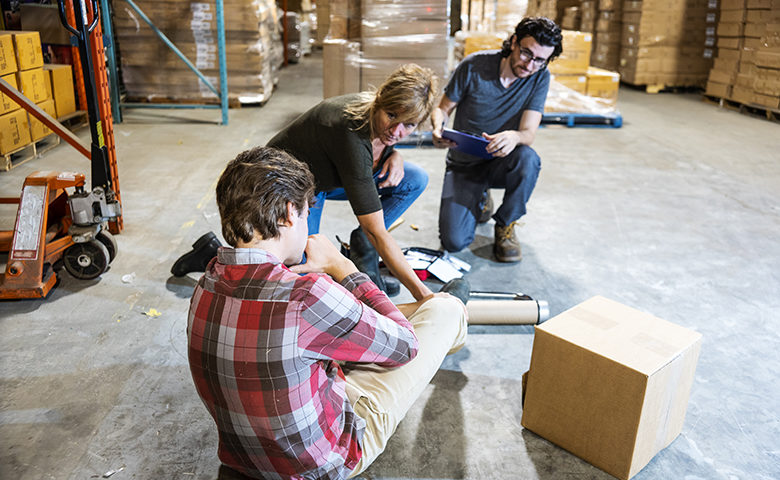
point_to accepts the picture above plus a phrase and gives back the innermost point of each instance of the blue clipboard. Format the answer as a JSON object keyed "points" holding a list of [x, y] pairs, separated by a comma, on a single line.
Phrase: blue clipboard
{"points": [[468, 143]]}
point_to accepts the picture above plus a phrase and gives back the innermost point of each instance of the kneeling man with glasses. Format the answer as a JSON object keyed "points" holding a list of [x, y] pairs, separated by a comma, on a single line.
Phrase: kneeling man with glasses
{"points": [[499, 95]]}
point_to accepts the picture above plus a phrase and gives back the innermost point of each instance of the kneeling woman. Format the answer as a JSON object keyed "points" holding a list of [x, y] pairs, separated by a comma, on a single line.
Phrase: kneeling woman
{"points": [[347, 142]]}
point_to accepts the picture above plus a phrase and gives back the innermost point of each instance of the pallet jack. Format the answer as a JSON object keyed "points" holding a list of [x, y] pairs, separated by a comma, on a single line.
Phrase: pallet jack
{"points": [[52, 224]]}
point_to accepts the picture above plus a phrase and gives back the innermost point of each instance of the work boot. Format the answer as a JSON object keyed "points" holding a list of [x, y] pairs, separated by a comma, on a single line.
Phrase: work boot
{"points": [[507, 247], [196, 260], [487, 207], [459, 288], [366, 259]]}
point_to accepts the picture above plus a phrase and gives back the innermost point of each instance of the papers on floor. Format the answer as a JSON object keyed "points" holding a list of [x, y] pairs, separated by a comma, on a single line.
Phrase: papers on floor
{"points": [[436, 262]]}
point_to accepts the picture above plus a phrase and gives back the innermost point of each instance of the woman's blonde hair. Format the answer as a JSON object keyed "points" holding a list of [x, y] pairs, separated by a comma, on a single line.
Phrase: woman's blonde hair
{"points": [[409, 93]]}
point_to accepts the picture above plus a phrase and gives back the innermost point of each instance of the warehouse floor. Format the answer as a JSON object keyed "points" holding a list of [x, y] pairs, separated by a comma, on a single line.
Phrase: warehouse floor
{"points": [[676, 214]]}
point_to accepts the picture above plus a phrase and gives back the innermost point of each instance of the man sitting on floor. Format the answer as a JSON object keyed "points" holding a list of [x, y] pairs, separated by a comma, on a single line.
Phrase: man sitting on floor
{"points": [[265, 335]]}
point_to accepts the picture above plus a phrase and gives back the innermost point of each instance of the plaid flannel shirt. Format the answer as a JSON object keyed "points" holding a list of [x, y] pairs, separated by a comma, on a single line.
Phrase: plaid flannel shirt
{"points": [[263, 344]]}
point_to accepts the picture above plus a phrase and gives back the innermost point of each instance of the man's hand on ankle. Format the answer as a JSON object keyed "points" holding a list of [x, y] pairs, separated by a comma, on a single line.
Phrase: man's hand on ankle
{"points": [[323, 257]]}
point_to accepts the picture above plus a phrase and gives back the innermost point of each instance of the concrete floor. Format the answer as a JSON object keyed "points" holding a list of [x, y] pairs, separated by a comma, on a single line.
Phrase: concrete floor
{"points": [[676, 214]]}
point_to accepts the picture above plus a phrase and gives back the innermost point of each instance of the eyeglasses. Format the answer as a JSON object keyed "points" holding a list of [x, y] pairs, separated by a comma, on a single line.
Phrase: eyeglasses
{"points": [[528, 56]]}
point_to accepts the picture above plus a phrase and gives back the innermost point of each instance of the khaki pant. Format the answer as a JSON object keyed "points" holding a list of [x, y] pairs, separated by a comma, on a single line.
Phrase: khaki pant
{"points": [[382, 396]]}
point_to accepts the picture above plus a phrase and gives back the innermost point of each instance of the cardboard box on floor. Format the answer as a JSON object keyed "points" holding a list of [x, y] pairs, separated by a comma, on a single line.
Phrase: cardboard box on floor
{"points": [[609, 384]]}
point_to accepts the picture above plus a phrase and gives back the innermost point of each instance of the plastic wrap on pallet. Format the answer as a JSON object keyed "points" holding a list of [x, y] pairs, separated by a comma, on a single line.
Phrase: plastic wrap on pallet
{"points": [[562, 99], [368, 39], [153, 72], [509, 13]]}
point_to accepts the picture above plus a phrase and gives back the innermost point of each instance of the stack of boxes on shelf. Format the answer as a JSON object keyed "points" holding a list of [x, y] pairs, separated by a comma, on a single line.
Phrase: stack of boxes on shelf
{"points": [[50, 87], [609, 26], [153, 72], [667, 42], [543, 8], [747, 68], [572, 16], [369, 39], [508, 14], [588, 16], [588, 89]]}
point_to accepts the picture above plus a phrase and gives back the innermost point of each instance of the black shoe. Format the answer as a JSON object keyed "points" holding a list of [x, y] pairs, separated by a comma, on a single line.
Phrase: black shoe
{"points": [[196, 260], [458, 288], [487, 207], [365, 258], [392, 285]]}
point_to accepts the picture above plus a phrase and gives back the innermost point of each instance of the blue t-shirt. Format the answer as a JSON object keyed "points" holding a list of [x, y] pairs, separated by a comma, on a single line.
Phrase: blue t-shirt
{"points": [[484, 104]]}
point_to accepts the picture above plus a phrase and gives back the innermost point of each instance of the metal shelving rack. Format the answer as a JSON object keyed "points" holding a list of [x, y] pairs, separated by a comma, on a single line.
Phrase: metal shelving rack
{"points": [[222, 92]]}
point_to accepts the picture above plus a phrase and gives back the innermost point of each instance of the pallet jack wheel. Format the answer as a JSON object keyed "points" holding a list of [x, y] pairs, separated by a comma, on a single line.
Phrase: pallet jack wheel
{"points": [[108, 240], [86, 260]]}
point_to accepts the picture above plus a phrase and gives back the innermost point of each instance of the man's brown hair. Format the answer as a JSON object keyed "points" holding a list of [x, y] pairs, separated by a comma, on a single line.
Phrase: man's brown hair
{"points": [[254, 189]]}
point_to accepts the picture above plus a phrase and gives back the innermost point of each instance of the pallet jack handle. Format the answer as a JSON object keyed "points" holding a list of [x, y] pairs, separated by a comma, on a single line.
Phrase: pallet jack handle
{"points": [[99, 153]]}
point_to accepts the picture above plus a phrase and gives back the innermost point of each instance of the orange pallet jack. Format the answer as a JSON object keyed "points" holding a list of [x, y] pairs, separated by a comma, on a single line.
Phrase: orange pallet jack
{"points": [[51, 224]]}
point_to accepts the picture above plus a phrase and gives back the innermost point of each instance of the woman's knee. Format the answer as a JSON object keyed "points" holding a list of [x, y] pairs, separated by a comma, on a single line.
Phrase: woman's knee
{"points": [[415, 178]]}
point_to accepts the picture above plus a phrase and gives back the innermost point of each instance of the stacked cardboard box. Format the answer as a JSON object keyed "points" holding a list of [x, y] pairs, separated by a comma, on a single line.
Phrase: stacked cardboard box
{"points": [[397, 32], [588, 16], [508, 14], [766, 82], [543, 8], [571, 18], [571, 67], [368, 39], [609, 26], [578, 87], [59, 82], [665, 42], [22, 54], [746, 68], [14, 129], [151, 71]]}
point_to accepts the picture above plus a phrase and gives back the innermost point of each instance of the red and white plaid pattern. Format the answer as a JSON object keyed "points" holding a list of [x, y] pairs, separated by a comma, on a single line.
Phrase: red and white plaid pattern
{"points": [[263, 345]]}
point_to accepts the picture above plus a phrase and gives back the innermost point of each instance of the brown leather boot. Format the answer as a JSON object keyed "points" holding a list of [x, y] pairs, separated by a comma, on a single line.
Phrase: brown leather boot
{"points": [[507, 247]]}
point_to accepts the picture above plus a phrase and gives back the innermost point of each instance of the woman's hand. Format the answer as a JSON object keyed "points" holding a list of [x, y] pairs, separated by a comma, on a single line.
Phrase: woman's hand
{"points": [[393, 169], [323, 257]]}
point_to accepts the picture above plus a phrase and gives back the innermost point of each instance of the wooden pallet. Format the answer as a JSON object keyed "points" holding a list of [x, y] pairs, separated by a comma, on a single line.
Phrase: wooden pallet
{"points": [[751, 109], [654, 88], [233, 102], [24, 154]]}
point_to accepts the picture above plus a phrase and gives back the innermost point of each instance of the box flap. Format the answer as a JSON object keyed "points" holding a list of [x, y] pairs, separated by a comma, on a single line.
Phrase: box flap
{"points": [[635, 339]]}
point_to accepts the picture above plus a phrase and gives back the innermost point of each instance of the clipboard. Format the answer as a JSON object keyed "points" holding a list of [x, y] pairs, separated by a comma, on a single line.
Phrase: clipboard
{"points": [[467, 143]]}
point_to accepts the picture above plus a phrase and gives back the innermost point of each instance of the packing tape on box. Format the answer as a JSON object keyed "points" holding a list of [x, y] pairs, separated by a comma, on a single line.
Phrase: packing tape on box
{"points": [[507, 312]]}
